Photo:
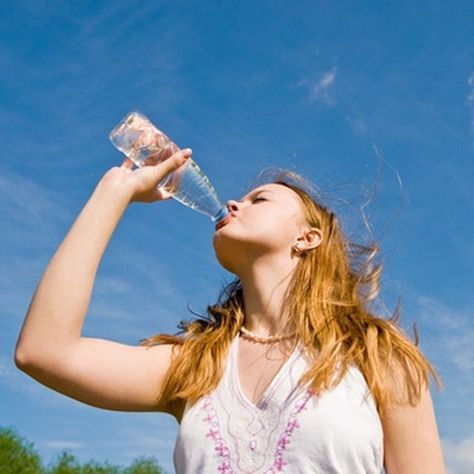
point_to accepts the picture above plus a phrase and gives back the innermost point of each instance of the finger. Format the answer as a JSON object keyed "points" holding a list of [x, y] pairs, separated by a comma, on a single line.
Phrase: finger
{"points": [[174, 161], [185, 154], [127, 163]]}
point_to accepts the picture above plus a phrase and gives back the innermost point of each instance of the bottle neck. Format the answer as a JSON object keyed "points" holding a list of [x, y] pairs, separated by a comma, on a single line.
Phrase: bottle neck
{"points": [[220, 214]]}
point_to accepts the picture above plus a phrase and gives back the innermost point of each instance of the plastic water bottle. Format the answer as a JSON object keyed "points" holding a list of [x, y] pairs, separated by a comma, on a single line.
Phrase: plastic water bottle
{"points": [[144, 144]]}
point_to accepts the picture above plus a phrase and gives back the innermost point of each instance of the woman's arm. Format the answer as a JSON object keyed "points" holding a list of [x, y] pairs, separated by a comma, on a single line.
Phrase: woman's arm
{"points": [[50, 347], [411, 439]]}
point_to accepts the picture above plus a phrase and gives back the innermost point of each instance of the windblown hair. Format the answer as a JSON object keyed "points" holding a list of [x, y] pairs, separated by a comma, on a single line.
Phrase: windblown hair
{"points": [[328, 303]]}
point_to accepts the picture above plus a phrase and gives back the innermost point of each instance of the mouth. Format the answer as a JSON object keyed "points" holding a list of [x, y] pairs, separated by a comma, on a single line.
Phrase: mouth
{"points": [[224, 221]]}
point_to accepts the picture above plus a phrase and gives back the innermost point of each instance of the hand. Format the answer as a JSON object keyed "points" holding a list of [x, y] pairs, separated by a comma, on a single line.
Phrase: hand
{"points": [[141, 184]]}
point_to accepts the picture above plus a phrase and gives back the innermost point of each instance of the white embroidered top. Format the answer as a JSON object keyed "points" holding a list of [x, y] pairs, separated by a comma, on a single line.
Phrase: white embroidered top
{"points": [[289, 430]]}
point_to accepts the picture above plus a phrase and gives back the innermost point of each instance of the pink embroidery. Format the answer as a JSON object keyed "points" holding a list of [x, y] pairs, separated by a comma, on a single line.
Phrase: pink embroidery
{"points": [[285, 437], [284, 440], [220, 445]]}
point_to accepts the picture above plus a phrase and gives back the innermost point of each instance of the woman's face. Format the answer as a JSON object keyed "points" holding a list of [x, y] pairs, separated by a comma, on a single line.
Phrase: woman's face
{"points": [[264, 222]]}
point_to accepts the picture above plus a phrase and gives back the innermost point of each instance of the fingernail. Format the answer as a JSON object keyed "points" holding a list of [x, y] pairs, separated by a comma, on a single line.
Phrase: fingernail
{"points": [[187, 150]]}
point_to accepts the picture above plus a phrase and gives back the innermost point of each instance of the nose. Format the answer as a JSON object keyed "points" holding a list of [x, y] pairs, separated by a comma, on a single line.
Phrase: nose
{"points": [[232, 205]]}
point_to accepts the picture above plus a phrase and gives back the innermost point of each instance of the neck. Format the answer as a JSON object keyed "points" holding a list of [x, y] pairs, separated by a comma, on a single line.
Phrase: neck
{"points": [[263, 288]]}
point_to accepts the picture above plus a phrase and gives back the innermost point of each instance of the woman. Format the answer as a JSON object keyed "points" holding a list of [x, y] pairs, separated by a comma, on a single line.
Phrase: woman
{"points": [[291, 372]]}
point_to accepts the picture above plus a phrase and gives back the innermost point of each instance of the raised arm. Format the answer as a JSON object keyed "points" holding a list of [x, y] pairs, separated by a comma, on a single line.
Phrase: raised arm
{"points": [[50, 347]]}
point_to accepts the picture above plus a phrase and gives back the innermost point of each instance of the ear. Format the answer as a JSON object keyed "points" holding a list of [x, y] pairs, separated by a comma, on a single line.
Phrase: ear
{"points": [[311, 238]]}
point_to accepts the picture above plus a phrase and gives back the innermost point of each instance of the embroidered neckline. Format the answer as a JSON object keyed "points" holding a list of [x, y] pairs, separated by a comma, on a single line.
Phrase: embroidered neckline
{"points": [[262, 402], [284, 439], [265, 451]]}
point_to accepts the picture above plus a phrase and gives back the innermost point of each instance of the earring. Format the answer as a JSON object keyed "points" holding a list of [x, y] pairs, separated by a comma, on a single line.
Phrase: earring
{"points": [[297, 248]]}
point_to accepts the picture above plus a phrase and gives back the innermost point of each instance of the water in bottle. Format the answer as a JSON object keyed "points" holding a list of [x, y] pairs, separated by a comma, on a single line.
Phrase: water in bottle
{"points": [[144, 144]]}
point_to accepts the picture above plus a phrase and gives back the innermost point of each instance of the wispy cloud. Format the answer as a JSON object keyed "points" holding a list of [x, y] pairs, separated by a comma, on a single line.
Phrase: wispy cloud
{"points": [[32, 216], [442, 315], [446, 334], [459, 456], [320, 89], [5, 368], [470, 99], [13, 380], [62, 444], [27, 205], [357, 123], [453, 331], [145, 434]]}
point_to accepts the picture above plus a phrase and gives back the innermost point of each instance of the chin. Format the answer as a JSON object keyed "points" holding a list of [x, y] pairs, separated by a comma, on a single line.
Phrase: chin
{"points": [[227, 255], [225, 259]]}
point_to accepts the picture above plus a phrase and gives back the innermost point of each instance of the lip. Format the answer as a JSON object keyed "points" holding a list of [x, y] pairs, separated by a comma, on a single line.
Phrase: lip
{"points": [[224, 221]]}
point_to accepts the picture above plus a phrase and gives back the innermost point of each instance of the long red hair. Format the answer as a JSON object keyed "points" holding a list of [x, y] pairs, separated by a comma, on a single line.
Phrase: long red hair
{"points": [[329, 305]]}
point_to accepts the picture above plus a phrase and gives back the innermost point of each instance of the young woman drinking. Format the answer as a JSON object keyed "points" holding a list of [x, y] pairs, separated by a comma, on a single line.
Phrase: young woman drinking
{"points": [[290, 371]]}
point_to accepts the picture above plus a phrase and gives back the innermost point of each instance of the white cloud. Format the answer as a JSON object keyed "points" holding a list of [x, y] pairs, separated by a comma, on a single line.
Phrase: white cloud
{"points": [[27, 208], [326, 80], [470, 98], [439, 314], [139, 438], [5, 368], [463, 351], [62, 444], [446, 337], [357, 124], [15, 381], [320, 90], [459, 457], [453, 332]]}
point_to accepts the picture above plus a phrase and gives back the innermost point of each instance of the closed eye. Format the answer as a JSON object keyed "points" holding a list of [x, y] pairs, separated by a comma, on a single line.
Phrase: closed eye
{"points": [[259, 199]]}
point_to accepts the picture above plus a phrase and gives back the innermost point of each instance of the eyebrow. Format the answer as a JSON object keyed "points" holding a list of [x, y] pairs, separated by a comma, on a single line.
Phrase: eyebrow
{"points": [[256, 193]]}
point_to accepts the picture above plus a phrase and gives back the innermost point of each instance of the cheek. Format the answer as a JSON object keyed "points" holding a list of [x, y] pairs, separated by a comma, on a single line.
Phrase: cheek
{"points": [[277, 232]]}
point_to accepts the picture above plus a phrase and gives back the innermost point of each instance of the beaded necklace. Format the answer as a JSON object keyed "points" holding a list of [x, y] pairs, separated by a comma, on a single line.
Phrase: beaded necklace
{"points": [[264, 339]]}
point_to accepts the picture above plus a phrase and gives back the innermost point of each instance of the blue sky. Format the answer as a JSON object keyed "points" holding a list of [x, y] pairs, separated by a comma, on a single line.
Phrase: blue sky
{"points": [[372, 101]]}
